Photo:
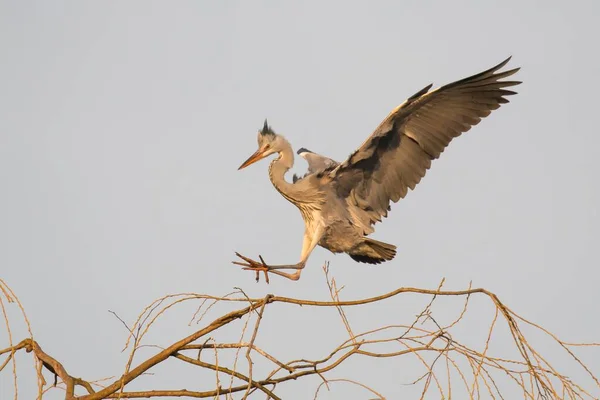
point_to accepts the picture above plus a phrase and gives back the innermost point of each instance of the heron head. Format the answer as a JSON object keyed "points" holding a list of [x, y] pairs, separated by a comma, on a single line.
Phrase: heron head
{"points": [[268, 143]]}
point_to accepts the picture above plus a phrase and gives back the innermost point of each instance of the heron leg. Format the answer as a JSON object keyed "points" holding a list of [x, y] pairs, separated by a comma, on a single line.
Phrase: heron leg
{"points": [[309, 243], [261, 266]]}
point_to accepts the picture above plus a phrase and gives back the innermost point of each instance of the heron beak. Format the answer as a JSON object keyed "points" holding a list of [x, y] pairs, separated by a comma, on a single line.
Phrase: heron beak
{"points": [[258, 155]]}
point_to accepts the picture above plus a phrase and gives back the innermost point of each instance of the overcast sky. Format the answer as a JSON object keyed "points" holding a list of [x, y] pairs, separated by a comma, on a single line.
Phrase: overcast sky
{"points": [[122, 125]]}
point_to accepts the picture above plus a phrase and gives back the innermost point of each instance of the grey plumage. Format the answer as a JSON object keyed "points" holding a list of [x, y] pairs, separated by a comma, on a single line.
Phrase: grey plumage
{"points": [[340, 202], [316, 162]]}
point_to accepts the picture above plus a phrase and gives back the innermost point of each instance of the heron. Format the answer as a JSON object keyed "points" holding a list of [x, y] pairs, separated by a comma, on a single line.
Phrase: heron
{"points": [[341, 202]]}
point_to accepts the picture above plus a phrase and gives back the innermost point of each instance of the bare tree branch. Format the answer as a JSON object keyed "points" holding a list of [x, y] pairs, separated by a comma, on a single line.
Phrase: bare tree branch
{"points": [[451, 367]]}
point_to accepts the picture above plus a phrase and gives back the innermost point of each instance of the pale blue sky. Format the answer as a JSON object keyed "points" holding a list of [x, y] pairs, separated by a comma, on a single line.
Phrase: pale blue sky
{"points": [[122, 125]]}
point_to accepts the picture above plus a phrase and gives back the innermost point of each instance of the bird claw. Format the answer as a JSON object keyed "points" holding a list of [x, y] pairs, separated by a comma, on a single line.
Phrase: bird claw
{"points": [[251, 265]]}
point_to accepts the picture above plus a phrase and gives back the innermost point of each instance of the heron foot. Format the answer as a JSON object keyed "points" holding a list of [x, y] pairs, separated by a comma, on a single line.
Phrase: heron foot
{"points": [[252, 265]]}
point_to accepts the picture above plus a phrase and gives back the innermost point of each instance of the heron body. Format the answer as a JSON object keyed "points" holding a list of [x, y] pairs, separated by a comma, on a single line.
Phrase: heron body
{"points": [[341, 202]]}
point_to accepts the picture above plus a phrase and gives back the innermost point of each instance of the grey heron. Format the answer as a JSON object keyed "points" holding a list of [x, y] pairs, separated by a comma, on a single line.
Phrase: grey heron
{"points": [[340, 202]]}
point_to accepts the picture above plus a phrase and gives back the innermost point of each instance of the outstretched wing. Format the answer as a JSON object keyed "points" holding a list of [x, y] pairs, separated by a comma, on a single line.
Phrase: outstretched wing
{"points": [[398, 154], [316, 162]]}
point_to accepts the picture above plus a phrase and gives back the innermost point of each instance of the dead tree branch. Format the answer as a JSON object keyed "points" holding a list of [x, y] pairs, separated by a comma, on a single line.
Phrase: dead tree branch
{"points": [[451, 364]]}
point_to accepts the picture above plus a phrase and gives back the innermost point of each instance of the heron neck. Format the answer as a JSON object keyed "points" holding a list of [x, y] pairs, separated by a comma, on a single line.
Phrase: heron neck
{"points": [[278, 169]]}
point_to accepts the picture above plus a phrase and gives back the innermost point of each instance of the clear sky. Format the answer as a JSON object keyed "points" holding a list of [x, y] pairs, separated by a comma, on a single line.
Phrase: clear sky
{"points": [[122, 125]]}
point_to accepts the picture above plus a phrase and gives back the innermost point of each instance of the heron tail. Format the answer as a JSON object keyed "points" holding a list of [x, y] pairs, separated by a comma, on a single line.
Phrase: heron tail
{"points": [[373, 251]]}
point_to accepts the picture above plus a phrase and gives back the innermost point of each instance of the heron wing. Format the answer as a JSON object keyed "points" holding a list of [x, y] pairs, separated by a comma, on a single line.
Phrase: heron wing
{"points": [[399, 152], [317, 162]]}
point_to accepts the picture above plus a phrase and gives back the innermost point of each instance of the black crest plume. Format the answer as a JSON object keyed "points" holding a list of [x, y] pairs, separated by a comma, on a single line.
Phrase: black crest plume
{"points": [[266, 130]]}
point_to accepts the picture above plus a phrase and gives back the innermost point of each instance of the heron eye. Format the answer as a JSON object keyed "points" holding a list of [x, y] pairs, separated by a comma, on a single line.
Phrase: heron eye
{"points": [[267, 146]]}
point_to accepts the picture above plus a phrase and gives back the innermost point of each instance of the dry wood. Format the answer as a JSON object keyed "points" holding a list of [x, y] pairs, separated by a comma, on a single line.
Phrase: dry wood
{"points": [[449, 364]]}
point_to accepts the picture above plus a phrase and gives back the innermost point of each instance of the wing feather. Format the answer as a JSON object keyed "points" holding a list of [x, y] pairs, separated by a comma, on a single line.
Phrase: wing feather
{"points": [[399, 152], [316, 163]]}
